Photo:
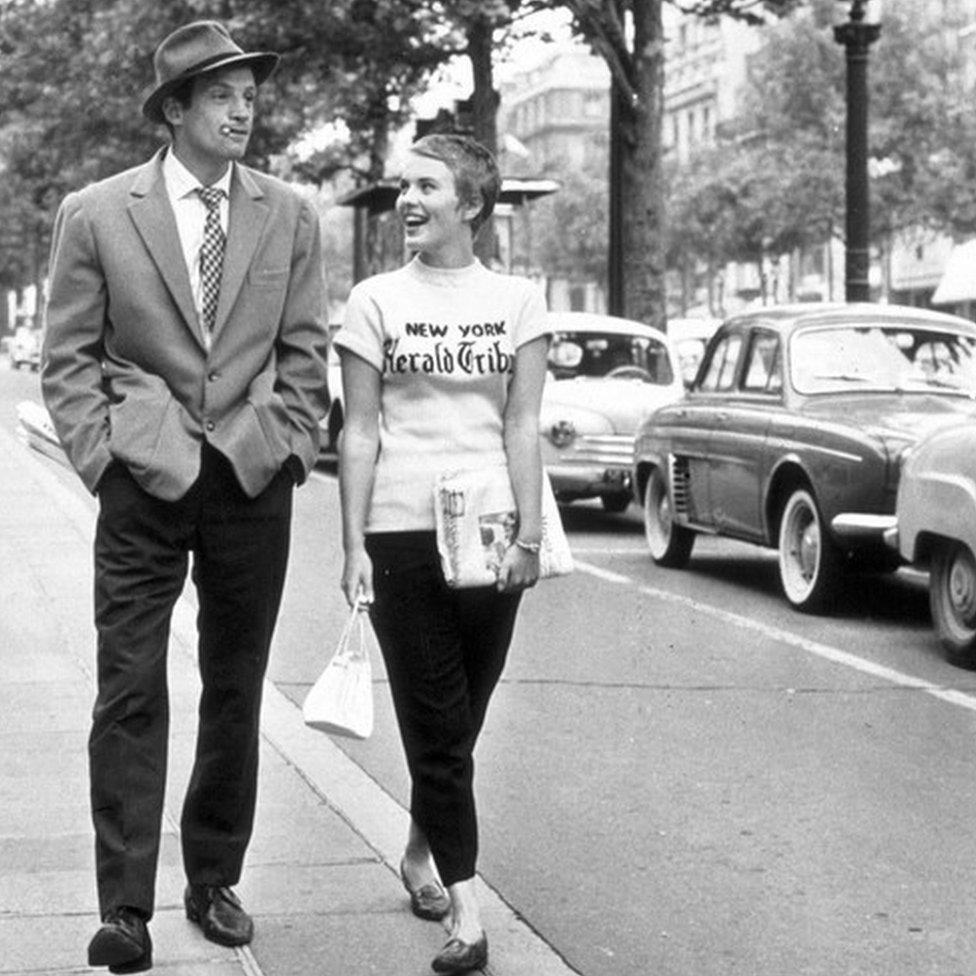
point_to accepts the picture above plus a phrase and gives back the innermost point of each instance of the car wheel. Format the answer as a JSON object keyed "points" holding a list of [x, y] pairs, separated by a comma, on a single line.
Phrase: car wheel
{"points": [[809, 562], [952, 597], [670, 544], [615, 503]]}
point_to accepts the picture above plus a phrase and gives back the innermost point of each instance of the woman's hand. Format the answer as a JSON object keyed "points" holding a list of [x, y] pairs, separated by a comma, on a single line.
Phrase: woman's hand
{"points": [[357, 578], [519, 570]]}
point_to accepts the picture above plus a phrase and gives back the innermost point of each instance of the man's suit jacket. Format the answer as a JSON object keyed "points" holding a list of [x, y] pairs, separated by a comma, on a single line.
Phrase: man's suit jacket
{"points": [[126, 373]]}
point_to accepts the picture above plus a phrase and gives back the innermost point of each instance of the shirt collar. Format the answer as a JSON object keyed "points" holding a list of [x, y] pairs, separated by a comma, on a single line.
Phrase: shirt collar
{"points": [[181, 182]]}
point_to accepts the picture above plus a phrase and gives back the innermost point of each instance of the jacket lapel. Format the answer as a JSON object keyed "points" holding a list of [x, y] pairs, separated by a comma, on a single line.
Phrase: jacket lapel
{"points": [[248, 215], [153, 217]]}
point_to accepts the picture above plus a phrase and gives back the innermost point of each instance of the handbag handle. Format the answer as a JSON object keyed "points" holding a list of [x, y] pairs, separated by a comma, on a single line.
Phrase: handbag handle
{"points": [[352, 640]]}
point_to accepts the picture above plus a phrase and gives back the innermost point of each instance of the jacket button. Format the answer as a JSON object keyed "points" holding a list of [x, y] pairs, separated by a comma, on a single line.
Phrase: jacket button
{"points": [[210, 425], [213, 376]]}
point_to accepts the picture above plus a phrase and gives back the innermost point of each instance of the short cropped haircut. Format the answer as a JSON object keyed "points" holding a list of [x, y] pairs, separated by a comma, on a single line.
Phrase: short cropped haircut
{"points": [[473, 167]]}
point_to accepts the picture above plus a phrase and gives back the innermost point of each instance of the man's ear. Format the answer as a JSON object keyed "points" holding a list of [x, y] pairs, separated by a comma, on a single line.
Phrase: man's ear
{"points": [[172, 110]]}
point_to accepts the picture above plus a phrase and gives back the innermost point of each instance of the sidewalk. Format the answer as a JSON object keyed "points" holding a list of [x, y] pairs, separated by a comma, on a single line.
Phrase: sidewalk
{"points": [[321, 876]]}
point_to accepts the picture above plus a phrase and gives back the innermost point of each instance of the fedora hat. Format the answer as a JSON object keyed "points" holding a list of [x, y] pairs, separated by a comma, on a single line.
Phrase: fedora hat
{"points": [[194, 49]]}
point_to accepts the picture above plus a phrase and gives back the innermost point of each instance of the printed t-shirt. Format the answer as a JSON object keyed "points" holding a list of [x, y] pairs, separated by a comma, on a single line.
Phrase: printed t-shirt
{"points": [[444, 342]]}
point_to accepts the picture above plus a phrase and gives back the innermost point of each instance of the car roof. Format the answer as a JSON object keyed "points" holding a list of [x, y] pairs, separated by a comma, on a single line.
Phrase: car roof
{"points": [[595, 322], [789, 317]]}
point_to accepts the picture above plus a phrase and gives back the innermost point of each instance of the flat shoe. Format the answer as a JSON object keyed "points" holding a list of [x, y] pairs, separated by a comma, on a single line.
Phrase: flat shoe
{"points": [[139, 965], [458, 956], [430, 901], [218, 912], [122, 943]]}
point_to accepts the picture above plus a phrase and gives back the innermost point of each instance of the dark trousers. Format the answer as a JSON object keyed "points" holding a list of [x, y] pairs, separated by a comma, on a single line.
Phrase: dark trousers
{"points": [[444, 652], [240, 550]]}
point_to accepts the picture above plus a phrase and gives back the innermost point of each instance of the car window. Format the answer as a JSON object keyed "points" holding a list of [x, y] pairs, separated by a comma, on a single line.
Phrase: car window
{"points": [[764, 372], [690, 352], [575, 355], [886, 357], [720, 372]]}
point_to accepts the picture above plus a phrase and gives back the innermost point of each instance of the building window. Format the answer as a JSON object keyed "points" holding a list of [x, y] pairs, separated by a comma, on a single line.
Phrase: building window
{"points": [[594, 105]]}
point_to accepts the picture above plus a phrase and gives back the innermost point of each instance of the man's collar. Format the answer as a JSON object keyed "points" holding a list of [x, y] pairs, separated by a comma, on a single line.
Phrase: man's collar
{"points": [[181, 182]]}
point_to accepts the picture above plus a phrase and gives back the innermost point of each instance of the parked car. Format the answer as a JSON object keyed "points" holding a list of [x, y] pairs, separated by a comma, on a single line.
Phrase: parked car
{"points": [[605, 375], [25, 348], [793, 434], [936, 529]]}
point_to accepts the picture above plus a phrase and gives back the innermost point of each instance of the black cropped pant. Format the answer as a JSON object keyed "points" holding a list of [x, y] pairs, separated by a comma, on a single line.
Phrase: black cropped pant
{"points": [[444, 651], [240, 549]]}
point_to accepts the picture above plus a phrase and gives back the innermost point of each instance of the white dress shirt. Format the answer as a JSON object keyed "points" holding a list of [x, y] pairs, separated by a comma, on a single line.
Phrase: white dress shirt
{"points": [[191, 215]]}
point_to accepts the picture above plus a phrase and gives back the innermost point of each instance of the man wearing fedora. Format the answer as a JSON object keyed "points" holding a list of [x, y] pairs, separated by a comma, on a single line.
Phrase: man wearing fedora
{"points": [[184, 370]]}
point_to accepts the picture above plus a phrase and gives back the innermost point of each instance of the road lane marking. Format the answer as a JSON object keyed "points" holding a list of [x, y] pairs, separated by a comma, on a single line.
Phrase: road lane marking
{"points": [[825, 651], [605, 574]]}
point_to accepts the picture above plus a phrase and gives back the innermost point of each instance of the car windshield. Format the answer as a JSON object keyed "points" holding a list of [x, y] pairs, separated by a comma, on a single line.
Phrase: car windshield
{"points": [[596, 355], [884, 357]]}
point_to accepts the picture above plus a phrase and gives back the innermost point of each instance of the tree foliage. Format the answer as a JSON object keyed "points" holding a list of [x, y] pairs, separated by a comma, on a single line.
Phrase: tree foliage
{"points": [[569, 228], [788, 144], [75, 72], [629, 36]]}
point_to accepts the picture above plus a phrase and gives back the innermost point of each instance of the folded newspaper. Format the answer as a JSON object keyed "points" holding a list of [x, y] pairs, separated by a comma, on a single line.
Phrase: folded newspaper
{"points": [[477, 522]]}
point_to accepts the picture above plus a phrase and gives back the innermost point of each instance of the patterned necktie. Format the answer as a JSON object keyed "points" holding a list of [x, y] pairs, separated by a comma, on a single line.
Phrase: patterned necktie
{"points": [[211, 253]]}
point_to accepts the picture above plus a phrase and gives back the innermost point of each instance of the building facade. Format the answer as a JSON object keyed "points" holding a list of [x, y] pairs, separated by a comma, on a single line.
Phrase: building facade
{"points": [[555, 113]]}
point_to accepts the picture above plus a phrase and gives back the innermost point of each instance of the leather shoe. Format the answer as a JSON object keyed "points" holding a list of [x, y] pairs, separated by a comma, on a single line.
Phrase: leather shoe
{"points": [[122, 943], [458, 956], [218, 912], [429, 901]]}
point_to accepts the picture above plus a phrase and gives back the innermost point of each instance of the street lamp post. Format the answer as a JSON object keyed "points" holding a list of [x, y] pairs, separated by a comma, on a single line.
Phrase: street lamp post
{"points": [[857, 36], [615, 252]]}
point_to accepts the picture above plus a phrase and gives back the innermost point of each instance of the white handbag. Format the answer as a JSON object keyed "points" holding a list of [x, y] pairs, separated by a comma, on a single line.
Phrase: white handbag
{"points": [[341, 700], [477, 521]]}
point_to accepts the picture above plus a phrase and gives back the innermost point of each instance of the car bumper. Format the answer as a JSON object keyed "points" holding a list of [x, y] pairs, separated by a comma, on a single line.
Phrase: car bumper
{"points": [[588, 482], [592, 466], [863, 526]]}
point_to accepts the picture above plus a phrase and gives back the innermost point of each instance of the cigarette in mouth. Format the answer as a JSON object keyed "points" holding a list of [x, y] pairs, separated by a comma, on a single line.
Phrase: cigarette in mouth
{"points": [[225, 130]]}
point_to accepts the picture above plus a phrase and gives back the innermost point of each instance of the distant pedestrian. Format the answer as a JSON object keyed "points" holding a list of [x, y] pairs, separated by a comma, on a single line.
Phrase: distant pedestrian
{"points": [[443, 365], [184, 370]]}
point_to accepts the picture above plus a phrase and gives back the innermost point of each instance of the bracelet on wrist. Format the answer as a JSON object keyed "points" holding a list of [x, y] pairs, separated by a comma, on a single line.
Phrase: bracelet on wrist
{"points": [[531, 547]]}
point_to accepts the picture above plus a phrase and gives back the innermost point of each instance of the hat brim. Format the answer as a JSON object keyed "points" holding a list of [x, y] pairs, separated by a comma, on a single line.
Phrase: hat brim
{"points": [[262, 64]]}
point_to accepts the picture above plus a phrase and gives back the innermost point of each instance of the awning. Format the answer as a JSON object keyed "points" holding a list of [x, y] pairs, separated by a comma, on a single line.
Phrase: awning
{"points": [[958, 282], [380, 197]]}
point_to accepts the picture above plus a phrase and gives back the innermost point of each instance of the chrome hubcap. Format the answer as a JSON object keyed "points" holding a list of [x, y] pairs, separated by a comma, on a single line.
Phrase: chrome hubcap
{"points": [[962, 589], [664, 513], [809, 550]]}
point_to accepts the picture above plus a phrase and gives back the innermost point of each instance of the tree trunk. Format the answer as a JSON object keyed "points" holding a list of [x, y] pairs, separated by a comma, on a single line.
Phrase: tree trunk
{"points": [[642, 175], [484, 111], [371, 254]]}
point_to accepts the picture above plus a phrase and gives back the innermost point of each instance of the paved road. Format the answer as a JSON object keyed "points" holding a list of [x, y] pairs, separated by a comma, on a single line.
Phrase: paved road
{"points": [[680, 775]]}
